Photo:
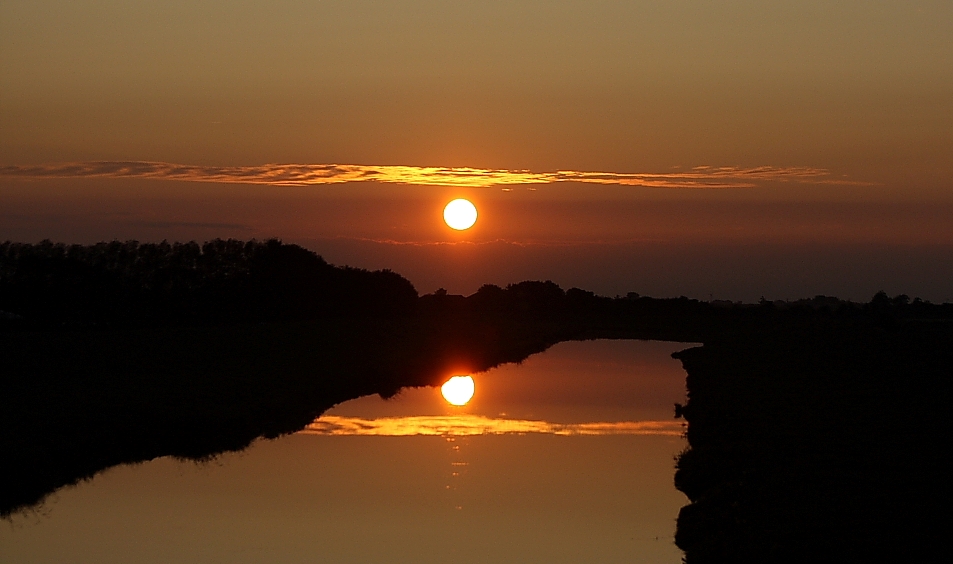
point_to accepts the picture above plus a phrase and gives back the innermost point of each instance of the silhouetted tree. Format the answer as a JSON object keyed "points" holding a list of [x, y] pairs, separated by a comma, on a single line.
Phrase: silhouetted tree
{"points": [[218, 281]]}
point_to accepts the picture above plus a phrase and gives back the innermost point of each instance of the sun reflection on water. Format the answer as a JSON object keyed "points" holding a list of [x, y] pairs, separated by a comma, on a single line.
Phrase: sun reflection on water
{"points": [[458, 390]]}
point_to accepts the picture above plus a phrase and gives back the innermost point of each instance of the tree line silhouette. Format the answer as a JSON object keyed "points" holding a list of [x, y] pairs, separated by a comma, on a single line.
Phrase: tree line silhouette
{"points": [[232, 281], [132, 283]]}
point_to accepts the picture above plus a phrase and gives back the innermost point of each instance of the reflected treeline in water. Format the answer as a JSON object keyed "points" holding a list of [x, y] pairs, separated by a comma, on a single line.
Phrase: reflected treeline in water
{"points": [[812, 425]]}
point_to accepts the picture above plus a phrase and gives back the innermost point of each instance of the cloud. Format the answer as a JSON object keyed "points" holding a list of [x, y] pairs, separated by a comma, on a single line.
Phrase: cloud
{"points": [[197, 225], [702, 177], [556, 243], [464, 425]]}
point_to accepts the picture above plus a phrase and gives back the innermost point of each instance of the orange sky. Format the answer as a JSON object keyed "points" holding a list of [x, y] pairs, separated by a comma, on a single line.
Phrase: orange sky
{"points": [[856, 98]]}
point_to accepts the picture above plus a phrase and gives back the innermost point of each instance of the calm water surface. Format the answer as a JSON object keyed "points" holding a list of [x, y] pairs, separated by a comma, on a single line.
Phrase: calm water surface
{"points": [[567, 457]]}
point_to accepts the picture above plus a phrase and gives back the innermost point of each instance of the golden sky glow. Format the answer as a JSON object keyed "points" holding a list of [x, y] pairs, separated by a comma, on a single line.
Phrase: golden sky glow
{"points": [[854, 87], [729, 149], [465, 425]]}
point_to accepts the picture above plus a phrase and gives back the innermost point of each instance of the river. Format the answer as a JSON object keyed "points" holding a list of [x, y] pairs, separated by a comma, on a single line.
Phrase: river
{"points": [[566, 457]]}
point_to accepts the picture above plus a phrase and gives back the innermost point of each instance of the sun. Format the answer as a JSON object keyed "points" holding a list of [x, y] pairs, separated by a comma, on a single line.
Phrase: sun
{"points": [[458, 390], [460, 214]]}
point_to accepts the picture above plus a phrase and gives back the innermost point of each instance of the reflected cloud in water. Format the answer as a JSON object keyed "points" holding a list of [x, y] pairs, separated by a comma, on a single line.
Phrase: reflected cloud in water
{"points": [[467, 425]]}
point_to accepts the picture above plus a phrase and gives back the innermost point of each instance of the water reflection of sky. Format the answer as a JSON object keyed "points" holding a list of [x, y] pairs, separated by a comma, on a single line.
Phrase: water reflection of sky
{"points": [[575, 388], [573, 382], [551, 494], [457, 425]]}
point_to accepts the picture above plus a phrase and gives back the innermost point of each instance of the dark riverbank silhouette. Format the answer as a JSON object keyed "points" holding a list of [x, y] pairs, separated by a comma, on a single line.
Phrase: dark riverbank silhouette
{"points": [[816, 440], [812, 424]]}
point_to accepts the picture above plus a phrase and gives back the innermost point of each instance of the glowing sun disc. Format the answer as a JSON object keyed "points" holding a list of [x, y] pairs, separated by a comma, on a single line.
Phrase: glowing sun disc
{"points": [[458, 390], [460, 214]]}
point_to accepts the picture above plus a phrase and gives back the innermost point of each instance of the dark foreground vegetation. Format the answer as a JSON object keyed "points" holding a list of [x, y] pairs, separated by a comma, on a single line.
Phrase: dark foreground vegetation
{"points": [[814, 426], [818, 440]]}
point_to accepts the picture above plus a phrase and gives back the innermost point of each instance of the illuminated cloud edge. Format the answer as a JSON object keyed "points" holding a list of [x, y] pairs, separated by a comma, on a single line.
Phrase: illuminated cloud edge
{"points": [[704, 177]]}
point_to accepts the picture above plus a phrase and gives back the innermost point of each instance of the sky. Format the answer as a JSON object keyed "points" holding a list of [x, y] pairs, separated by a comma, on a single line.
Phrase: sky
{"points": [[720, 150]]}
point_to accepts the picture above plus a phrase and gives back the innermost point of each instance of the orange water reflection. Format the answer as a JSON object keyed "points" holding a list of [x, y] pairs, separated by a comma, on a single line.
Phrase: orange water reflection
{"points": [[466, 425], [488, 482]]}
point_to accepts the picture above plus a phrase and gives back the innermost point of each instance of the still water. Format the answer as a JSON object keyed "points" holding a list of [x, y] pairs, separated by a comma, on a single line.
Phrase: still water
{"points": [[567, 457]]}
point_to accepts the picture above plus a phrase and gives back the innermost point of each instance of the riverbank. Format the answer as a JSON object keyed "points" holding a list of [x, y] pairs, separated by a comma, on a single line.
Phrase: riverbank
{"points": [[813, 441]]}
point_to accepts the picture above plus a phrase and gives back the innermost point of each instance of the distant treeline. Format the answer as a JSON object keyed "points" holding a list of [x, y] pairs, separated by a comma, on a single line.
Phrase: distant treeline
{"points": [[218, 281], [230, 281], [583, 313]]}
